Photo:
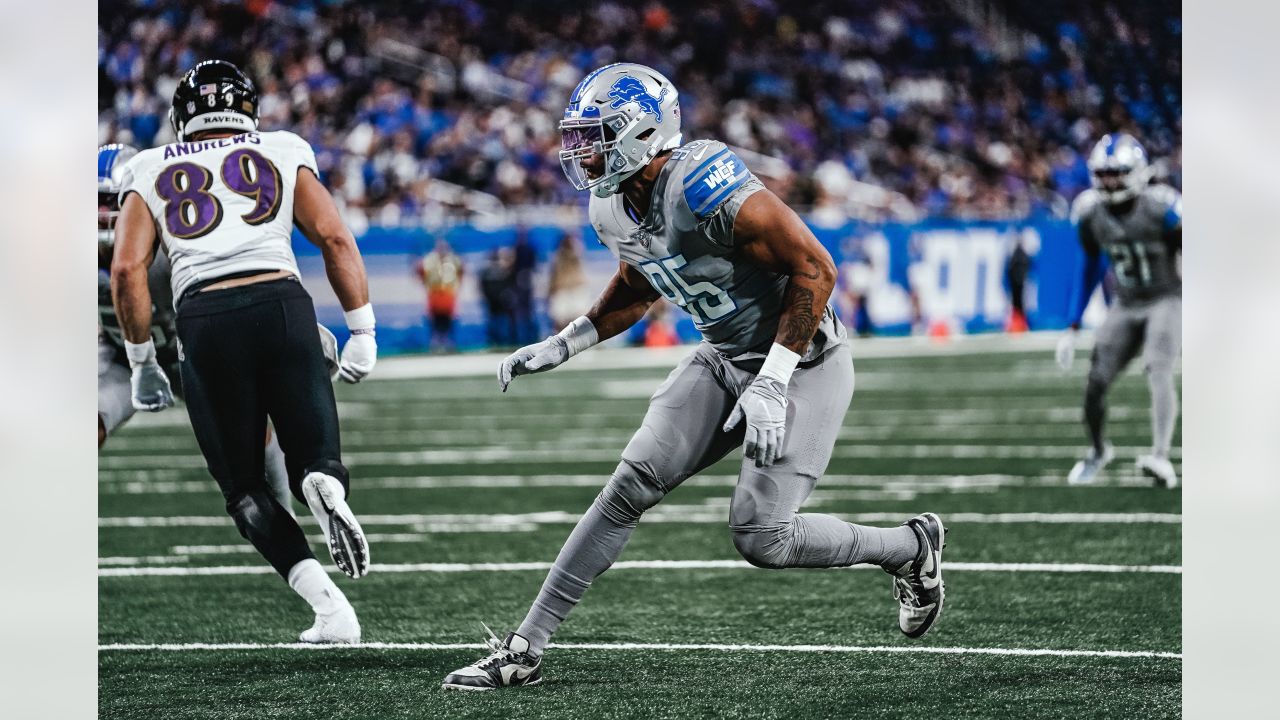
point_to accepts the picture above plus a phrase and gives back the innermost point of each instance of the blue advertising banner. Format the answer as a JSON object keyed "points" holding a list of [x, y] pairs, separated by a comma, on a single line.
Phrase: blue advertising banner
{"points": [[895, 279]]}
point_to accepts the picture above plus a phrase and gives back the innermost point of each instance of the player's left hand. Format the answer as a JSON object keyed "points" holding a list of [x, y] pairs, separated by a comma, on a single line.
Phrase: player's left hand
{"points": [[359, 356], [764, 405], [150, 387]]}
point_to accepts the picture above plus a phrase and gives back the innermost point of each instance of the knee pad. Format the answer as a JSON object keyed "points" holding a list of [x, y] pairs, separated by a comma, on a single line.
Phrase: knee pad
{"points": [[766, 546], [629, 492]]}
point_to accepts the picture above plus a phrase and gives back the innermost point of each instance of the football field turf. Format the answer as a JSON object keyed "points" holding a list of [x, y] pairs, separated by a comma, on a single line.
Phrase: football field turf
{"points": [[1061, 601]]}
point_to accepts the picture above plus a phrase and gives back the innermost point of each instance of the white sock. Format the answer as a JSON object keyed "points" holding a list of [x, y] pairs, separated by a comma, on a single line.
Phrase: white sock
{"points": [[278, 474], [309, 580]]}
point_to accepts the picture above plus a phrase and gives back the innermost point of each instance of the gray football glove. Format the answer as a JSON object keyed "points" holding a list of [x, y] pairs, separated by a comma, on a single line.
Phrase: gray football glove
{"points": [[535, 358], [151, 391], [764, 405]]}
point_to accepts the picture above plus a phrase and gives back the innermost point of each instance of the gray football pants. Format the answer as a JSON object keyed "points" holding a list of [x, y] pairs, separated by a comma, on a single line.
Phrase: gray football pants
{"points": [[680, 436], [1155, 329]]}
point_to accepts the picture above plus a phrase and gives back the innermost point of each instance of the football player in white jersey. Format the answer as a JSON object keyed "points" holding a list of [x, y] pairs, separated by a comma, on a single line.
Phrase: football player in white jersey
{"points": [[222, 201], [691, 223], [115, 403]]}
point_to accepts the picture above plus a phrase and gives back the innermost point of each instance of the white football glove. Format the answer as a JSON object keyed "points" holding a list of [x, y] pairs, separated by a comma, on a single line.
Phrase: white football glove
{"points": [[150, 390], [535, 358], [764, 405], [359, 356], [1065, 353]]}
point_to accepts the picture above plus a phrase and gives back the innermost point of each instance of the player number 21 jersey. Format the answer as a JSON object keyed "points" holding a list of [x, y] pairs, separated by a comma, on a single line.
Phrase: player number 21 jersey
{"points": [[222, 206]]}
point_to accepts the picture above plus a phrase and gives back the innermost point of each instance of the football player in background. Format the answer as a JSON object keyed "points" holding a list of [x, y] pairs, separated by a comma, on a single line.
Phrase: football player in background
{"points": [[223, 200], [115, 405], [691, 223], [1139, 227]]}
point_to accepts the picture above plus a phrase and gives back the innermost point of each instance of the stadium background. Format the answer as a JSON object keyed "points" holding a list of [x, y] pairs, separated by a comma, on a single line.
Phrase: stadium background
{"points": [[922, 141]]}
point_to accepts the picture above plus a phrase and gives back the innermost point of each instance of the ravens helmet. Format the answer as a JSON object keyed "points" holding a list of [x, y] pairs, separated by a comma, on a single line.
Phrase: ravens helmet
{"points": [[111, 162], [214, 95]]}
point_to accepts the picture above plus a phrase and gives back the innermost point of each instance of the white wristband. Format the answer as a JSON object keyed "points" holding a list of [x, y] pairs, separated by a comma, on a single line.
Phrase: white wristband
{"points": [[361, 318], [140, 353], [579, 335], [779, 364]]}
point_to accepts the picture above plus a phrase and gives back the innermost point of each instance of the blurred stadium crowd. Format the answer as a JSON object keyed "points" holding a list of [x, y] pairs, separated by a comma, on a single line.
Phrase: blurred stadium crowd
{"points": [[423, 112]]}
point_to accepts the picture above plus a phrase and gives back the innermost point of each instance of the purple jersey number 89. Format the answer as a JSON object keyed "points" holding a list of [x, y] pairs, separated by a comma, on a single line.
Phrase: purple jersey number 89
{"points": [[191, 211]]}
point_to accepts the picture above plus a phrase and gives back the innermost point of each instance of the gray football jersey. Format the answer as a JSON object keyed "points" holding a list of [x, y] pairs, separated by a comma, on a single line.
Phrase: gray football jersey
{"points": [[1137, 241], [685, 247], [163, 330]]}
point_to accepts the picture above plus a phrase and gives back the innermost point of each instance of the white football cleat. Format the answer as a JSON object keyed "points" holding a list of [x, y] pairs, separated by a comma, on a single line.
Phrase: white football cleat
{"points": [[917, 585], [342, 531], [1159, 469], [340, 627], [509, 665], [1086, 471]]}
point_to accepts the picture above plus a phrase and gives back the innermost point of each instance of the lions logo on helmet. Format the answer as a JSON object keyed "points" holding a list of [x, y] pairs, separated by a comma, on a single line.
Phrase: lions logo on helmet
{"points": [[111, 162], [626, 114], [1118, 168]]}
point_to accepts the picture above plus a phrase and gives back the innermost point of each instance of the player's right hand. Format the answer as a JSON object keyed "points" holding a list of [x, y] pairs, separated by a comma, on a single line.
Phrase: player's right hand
{"points": [[151, 391], [1065, 353], [535, 358]]}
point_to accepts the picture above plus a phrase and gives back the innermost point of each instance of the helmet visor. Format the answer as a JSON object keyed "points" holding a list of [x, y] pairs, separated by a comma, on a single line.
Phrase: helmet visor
{"points": [[584, 144]]}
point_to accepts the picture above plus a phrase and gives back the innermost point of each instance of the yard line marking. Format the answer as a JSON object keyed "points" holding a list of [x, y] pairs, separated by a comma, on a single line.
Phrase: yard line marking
{"points": [[694, 514], [633, 565], [901, 487], [506, 454], [719, 647]]}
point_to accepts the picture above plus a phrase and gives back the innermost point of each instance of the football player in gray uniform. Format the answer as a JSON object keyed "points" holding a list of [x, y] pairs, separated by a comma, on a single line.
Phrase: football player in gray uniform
{"points": [[1139, 227], [692, 224], [115, 405]]}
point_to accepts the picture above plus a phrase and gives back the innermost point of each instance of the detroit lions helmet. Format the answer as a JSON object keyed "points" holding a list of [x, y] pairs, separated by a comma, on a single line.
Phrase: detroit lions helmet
{"points": [[1118, 167], [213, 95], [111, 162], [627, 113]]}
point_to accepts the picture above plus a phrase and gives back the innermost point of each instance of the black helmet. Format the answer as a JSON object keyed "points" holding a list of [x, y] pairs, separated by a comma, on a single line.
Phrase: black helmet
{"points": [[214, 95]]}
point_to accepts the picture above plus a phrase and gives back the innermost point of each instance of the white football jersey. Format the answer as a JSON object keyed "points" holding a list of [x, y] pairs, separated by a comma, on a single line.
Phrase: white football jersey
{"points": [[222, 206]]}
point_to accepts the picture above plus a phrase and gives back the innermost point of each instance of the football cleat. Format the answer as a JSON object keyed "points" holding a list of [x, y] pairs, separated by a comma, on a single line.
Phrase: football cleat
{"points": [[917, 585], [338, 627], [1159, 469], [342, 532], [1086, 471], [508, 665]]}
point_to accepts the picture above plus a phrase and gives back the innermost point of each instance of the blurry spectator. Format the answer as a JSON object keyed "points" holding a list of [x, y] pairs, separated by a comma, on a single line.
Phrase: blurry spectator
{"points": [[659, 330], [441, 272], [523, 310], [497, 285], [1016, 271], [568, 295]]}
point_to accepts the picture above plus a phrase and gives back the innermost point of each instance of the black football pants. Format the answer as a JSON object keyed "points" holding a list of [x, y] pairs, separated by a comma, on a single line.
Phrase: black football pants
{"points": [[249, 353]]}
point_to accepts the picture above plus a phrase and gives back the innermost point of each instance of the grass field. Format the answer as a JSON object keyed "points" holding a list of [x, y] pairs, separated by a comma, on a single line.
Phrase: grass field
{"points": [[1061, 602]]}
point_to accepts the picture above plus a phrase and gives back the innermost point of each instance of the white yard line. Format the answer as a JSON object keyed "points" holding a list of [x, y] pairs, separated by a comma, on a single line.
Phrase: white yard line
{"points": [[717, 647], [609, 358], [506, 454], [694, 514], [633, 565]]}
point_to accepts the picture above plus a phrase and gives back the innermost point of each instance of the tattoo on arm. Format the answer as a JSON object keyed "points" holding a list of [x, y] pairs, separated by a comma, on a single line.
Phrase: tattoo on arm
{"points": [[799, 320], [817, 268]]}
